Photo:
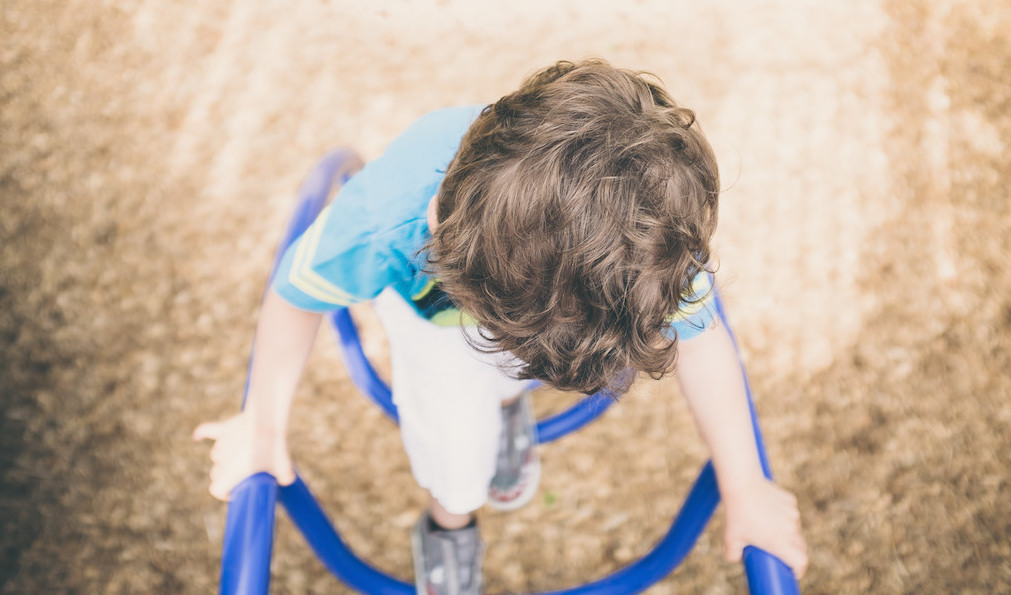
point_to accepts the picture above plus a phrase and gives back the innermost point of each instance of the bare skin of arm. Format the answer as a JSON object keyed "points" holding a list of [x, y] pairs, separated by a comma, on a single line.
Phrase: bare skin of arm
{"points": [[255, 440], [759, 512]]}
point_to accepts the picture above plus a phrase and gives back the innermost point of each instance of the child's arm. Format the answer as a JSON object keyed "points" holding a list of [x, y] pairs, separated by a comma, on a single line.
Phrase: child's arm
{"points": [[759, 513], [255, 440]]}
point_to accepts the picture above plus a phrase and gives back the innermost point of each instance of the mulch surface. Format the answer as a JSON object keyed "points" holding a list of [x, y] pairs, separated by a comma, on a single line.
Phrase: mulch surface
{"points": [[148, 154]]}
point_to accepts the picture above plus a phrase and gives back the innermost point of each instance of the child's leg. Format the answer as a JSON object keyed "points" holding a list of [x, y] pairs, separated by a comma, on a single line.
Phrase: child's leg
{"points": [[448, 397], [446, 519]]}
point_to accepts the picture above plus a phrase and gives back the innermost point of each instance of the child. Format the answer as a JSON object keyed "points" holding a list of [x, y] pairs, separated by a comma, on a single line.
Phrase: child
{"points": [[567, 235]]}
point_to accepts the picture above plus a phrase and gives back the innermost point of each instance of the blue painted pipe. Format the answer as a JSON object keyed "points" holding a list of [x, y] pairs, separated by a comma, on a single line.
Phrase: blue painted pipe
{"points": [[249, 536]]}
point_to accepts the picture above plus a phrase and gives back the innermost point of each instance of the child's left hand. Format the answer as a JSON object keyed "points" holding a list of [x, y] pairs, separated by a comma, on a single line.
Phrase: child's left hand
{"points": [[762, 514]]}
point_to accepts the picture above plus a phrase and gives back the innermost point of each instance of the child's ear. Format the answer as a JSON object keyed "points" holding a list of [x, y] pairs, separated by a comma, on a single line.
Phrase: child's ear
{"points": [[433, 211]]}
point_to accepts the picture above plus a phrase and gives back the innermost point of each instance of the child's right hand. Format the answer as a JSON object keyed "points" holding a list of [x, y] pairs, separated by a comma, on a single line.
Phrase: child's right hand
{"points": [[241, 450], [762, 514]]}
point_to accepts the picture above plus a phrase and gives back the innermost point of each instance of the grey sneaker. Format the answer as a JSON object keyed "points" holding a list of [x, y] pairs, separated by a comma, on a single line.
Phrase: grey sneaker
{"points": [[447, 562], [518, 470]]}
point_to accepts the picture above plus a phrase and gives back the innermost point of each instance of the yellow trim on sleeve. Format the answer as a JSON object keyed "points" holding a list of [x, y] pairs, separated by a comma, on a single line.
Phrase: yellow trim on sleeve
{"points": [[452, 317], [304, 278], [702, 295], [424, 290]]}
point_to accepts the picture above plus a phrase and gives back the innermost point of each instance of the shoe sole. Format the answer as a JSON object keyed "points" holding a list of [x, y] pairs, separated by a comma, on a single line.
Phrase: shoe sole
{"points": [[534, 479], [525, 496]]}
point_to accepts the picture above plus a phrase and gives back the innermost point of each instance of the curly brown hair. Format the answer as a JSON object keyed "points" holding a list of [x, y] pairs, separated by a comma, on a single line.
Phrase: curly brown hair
{"points": [[572, 221]]}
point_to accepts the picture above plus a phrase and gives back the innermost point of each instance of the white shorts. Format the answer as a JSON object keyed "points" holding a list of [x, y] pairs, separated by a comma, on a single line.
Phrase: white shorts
{"points": [[448, 396]]}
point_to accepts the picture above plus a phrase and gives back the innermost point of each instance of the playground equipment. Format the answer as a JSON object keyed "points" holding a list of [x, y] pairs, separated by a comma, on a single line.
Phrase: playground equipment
{"points": [[245, 565]]}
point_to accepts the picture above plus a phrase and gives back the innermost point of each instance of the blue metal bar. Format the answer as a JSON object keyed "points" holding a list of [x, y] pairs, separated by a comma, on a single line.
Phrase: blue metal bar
{"points": [[320, 534], [358, 365], [582, 413], [324, 539], [249, 536], [669, 552]]}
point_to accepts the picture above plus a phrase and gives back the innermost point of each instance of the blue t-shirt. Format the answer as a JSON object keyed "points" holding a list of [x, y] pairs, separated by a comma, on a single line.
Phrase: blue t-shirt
{"points": [[370, 236]]}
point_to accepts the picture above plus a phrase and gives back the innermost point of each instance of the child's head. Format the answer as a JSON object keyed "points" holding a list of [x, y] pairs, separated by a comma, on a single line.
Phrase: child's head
{"points": [[572, 221]]}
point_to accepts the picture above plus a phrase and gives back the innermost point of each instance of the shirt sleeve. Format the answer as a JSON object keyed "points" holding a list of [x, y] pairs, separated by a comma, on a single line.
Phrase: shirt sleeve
{"points": [[368, 238], [328, 267], [696, 314]]}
